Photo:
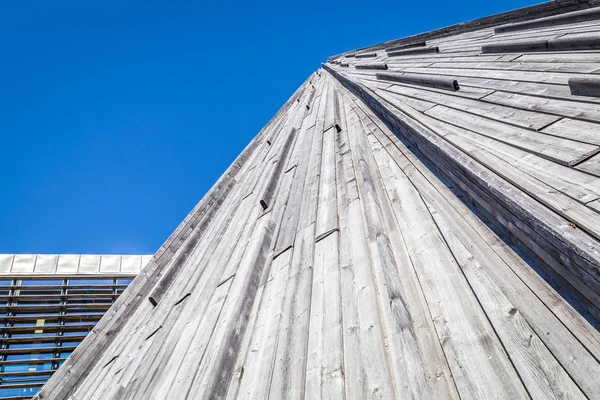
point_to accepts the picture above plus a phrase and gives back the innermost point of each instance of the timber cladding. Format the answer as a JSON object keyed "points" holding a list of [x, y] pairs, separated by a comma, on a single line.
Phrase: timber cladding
{"points": [[430, 231]]}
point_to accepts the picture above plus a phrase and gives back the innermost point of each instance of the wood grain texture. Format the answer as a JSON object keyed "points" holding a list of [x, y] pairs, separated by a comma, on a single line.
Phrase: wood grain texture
{"points": [[405, 242]]}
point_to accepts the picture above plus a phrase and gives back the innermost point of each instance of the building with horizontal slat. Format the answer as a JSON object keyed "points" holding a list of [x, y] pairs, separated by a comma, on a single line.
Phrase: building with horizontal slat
{"points": [[49, 303], [431, 231]]}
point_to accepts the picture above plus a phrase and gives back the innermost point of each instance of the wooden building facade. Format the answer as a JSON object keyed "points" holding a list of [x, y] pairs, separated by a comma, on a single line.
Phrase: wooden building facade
{"points": [[421, 220]]}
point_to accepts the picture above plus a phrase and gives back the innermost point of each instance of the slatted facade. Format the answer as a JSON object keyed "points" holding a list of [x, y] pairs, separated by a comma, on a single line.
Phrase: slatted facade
{"points": [[420, 220], [46, 314]]}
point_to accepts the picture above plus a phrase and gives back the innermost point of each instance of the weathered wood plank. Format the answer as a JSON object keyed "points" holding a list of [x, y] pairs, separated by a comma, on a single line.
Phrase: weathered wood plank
{"points": [[416, 357], [509, 115], [290, 364], [582, 131], [459, 320], [324, 369], [524, 299], [591, 166], [327, 219], [541, 372], [531, 227], [255, 382], [560, 150], [578, 110]]}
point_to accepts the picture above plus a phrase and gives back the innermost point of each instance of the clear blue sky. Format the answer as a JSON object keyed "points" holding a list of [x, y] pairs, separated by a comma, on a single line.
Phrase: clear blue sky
{"points": [[116, 117]]}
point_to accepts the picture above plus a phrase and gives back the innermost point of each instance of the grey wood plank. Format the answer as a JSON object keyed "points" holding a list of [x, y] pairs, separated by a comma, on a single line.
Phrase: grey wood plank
{"points": [[546, 194], [329, 115], [406, 46], [347, 189], [532, 227], [327, 218], [568, 18], [417, 104], [570, 182], [371, 66], [550, 58], [290, 364], [289, 371], [366, 368], [525, 119], [567, 180], [560, 150], [575, 67], [541, 372], [591, 166], [449, 295], [191, 345], [411, 52], [208, 378], [537, 366], [324, 369], [141, 333], [516, 86], [586, 132], [255, 382], [595, 205], [466, 92], [223, 260], [215, 279], [422, 177], [577, 110], [287, 231], [557, 78], [365, 357], [415, 354], [127, 304]]}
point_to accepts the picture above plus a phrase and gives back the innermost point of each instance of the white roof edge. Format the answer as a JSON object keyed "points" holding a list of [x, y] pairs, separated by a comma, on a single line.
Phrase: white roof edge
{"points": [[73, 264]]}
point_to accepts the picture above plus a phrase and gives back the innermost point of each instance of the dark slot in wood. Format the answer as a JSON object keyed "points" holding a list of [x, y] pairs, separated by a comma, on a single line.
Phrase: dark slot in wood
{"points": [[110, 361], [281, 252], [585, 86], [410, 52], [182, 299], [270, 189], [371, 66], [405, 46], [344, 65], [338, 128], [225, 280], [269, 142], [197, 232], [153, 332], [307, 107], [447, 83], [568, 18], [325, 234], [366, 55]]}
